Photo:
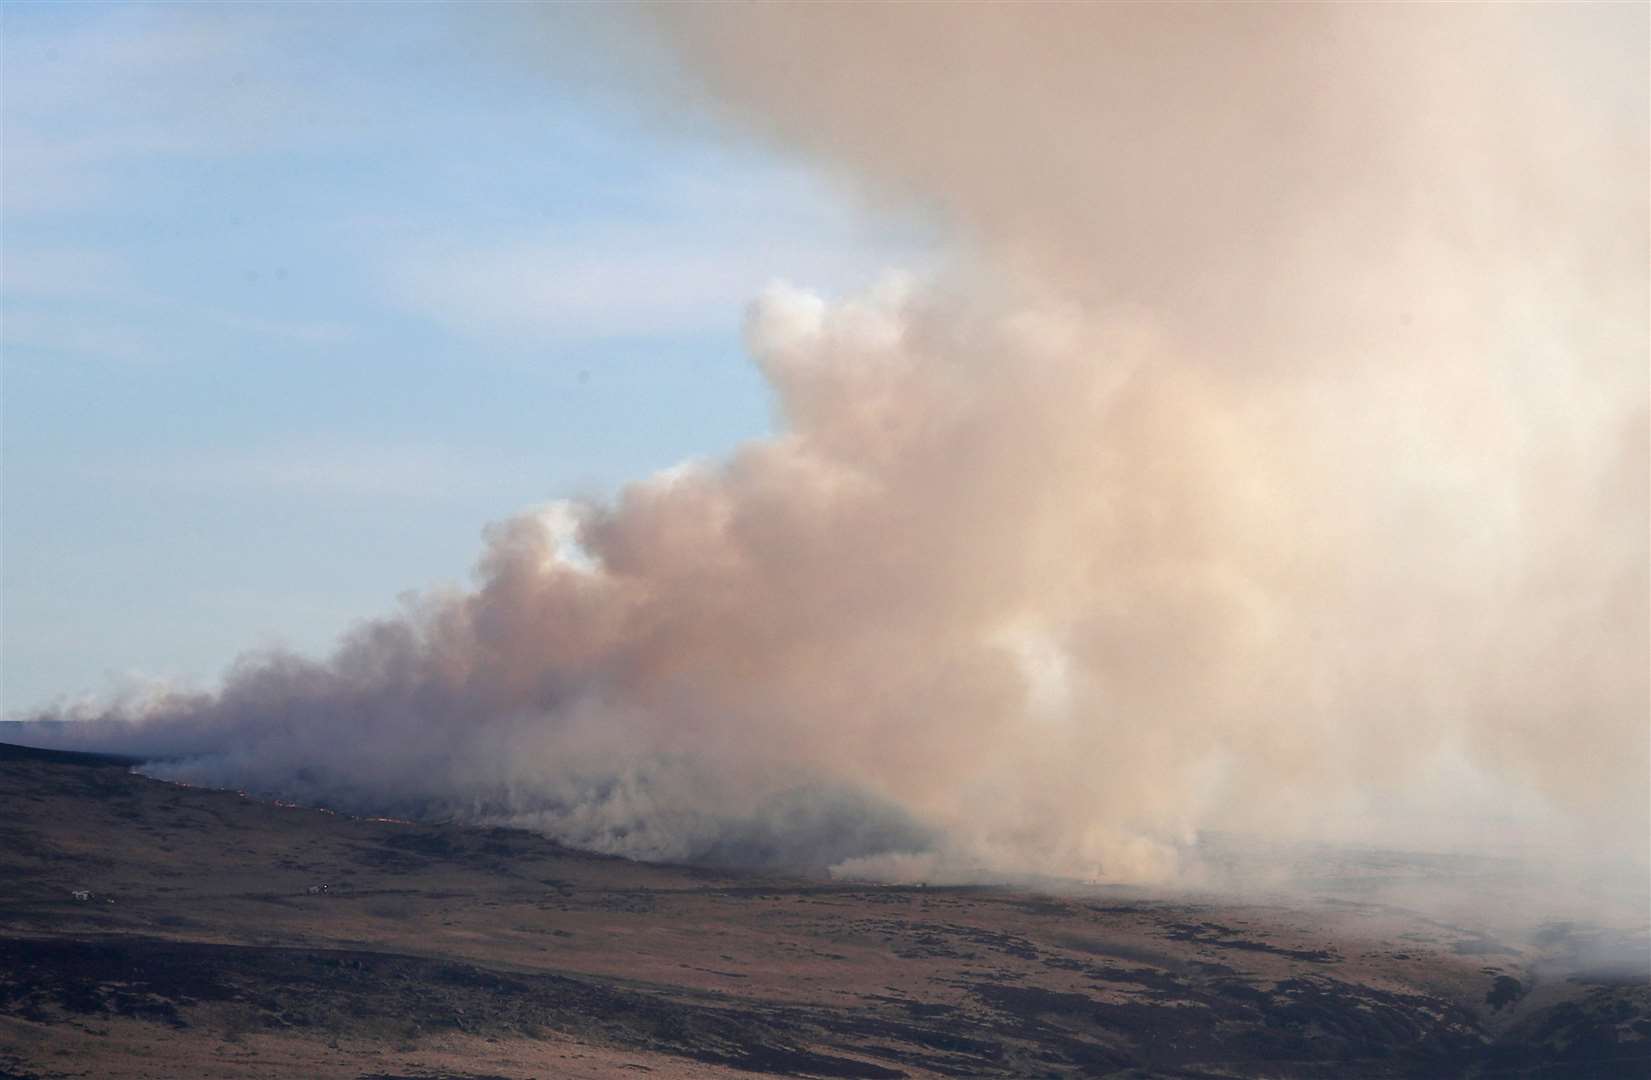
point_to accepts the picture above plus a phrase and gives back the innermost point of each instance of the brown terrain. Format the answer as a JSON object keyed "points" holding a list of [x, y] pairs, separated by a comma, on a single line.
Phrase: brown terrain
{"points": [[444, 951]]}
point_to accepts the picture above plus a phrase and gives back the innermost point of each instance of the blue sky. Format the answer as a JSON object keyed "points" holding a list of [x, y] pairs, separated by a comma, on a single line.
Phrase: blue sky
{"points": [[297, 298]]}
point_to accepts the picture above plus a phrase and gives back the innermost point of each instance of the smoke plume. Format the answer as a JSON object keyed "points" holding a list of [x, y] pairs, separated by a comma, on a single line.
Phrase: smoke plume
{"points": [[1274, 459]]}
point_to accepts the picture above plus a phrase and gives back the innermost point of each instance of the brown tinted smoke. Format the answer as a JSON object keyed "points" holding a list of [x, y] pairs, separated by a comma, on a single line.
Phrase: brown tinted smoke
{"points": [[1275, 460]]}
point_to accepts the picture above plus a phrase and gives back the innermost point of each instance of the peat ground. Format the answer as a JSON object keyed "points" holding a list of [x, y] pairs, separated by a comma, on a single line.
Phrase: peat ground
{"points": [[441, 951]]}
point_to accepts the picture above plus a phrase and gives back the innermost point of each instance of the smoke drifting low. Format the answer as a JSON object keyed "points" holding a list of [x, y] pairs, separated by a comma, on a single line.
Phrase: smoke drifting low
{"points": [[1275, 459]]}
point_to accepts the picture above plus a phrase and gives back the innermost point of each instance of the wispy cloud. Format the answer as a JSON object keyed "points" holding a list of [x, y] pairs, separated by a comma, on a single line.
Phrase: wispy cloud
{"points": [[592, 287], [323, 467], [134, 328], [57, 334], [57, 270], [89, 93], [606, 279]]}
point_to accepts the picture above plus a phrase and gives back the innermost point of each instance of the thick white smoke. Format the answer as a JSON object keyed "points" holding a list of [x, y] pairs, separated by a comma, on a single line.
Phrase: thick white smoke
{"points": [[1276, 460]]}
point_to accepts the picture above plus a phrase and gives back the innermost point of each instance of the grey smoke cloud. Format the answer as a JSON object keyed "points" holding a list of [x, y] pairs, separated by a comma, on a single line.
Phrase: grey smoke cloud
{"points": [[1275, 459]]}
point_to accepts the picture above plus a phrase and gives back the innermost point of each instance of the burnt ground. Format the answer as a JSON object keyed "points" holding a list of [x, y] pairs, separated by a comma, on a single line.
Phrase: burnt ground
{"points": [[440, 951]]}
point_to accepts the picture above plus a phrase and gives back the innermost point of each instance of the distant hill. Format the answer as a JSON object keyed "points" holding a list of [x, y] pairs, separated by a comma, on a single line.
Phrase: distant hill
{"points": [[15, 752]]}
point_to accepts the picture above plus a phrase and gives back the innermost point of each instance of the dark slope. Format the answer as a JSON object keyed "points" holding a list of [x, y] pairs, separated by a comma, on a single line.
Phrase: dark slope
{"points": [[445, 951]]}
